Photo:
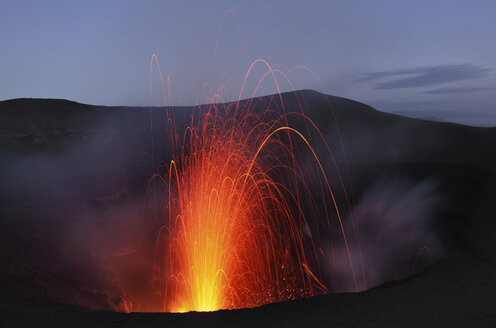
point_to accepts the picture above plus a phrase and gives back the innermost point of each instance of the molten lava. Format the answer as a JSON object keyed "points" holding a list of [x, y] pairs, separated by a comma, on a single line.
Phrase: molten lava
{"points": [[234, 229]]}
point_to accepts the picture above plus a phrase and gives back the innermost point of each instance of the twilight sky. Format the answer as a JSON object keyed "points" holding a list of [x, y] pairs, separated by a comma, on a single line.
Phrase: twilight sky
{"points": [[394, 55]]}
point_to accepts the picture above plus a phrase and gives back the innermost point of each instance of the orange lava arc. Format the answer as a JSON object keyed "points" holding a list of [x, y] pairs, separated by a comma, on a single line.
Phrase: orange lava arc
{"points": [[234, 228]]}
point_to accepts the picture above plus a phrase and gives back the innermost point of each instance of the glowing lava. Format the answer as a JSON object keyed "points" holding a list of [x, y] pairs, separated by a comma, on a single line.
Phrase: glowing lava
{"points": [[233, 230]]}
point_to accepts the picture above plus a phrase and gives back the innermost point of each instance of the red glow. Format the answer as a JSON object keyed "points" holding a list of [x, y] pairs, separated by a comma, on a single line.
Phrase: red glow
{"points": [[236, 205]]}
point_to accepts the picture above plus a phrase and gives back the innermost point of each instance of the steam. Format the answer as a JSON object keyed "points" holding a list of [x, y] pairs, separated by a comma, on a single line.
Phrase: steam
{"points": [[74, 215], [394, 224]]}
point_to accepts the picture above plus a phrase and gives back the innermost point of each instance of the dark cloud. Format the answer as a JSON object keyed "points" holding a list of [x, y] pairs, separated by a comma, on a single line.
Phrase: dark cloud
{"points": [[373, 76], [456, 90], [425, 76]]}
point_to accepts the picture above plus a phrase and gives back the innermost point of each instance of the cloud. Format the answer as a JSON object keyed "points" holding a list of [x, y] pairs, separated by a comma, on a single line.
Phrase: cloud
{"points": [[373, 76], [456, 90], [425, 76]]}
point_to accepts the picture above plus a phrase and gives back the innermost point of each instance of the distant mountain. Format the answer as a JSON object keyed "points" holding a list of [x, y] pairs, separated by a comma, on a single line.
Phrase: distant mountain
{"points": [[466, 118], [368, 135]]}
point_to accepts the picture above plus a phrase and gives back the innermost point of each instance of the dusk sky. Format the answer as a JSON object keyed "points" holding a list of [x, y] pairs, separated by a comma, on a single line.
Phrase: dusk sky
{"points": [[393, 55]]}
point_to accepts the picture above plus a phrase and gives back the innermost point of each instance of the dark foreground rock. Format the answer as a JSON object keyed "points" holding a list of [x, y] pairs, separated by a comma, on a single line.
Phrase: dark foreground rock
{"points": [[460, 292]]}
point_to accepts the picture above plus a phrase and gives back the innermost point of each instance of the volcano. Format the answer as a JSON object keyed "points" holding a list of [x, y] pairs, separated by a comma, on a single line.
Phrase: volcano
{"points": [[73, 202]]}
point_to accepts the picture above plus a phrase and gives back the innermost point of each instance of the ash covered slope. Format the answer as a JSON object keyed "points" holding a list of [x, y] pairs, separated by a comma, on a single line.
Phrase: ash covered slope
{"points": [[369, 136]]}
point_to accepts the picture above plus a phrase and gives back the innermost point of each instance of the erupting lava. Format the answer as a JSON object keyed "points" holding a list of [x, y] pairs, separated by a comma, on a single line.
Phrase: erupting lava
{"points": [[234, 228]]}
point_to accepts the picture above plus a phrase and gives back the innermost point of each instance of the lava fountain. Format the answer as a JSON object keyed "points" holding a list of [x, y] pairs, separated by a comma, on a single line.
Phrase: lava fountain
{"points": [[235, 221]]}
